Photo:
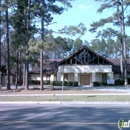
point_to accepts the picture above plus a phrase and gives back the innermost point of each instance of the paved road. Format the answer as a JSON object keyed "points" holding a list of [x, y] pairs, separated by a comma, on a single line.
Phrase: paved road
{"points": [[62, 116]]}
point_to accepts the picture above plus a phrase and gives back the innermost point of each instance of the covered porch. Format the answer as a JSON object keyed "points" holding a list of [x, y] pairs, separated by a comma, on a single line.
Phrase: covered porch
{"points": [[85, 75]]}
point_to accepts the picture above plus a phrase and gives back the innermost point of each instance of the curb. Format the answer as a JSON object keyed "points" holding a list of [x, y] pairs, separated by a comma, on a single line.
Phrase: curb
{"points": [[104, 94], [70, 103]]}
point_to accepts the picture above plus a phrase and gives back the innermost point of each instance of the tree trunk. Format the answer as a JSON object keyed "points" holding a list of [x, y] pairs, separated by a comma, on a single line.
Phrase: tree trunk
{"points": [[16, 83], [124, 47], [41, 69], [121, 58], [123, 40], [24, 74], [41, 52], [121, 67], [20, 75], [0, 35], [27, 51], [8, 53], [125, 64]]}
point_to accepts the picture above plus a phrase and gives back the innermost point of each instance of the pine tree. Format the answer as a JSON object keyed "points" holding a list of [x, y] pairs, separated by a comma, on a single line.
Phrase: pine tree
{"points": [[117, 19], [7, 40]]}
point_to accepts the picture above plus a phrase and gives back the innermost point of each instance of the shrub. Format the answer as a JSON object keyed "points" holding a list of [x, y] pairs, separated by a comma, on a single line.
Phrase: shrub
{"points": [[119, 81], [66, 83], [104, 84], [70, 83], [75, 83], [96, 83], [37, 82], [57, 83]]}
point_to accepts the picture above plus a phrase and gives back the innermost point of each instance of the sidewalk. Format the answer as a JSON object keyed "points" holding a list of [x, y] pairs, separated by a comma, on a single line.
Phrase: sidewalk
{"points": [[69, 95], [67, 90]]}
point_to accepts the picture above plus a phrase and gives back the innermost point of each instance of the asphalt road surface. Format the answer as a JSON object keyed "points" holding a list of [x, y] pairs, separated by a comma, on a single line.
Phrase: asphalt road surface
{"points": [[62, 116]]}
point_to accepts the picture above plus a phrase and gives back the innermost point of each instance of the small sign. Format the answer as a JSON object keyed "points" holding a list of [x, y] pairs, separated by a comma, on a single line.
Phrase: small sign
{"points": [[110, 81]]}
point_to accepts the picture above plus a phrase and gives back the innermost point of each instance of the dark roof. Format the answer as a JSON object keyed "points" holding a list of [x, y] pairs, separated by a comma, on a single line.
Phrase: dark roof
{"points": [[116, 61], [49, 66]]}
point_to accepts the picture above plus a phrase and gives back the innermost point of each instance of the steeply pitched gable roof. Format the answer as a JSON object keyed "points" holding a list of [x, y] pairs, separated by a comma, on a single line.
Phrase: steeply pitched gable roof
{"points": [[85, 56]]}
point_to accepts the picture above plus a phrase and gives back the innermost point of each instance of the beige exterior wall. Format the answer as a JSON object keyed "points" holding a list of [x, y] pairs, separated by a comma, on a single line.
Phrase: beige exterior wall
{"points": [[59, 76], [52, 77], [85, 68], [45, 77], [74, 72], [37, 77]]}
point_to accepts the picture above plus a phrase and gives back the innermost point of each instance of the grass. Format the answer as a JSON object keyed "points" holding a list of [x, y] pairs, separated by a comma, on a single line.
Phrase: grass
{"points": [[93, 98]]}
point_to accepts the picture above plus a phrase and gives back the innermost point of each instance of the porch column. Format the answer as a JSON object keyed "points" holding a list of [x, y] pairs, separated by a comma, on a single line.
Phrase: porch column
{"points": [[76, 77], [93, 77], [111, 75], [59, 77], [51, 78]]}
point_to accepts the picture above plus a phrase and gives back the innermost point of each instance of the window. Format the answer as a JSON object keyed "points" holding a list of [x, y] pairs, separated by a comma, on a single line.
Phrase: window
{"points": [[66, 77]]}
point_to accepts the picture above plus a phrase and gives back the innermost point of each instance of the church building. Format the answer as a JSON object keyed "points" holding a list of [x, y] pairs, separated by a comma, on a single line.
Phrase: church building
{"points": [[85, 67]]}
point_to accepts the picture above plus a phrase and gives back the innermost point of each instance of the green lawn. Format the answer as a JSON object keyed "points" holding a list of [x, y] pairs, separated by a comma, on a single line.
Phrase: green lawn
{"points": [[93, 98]]}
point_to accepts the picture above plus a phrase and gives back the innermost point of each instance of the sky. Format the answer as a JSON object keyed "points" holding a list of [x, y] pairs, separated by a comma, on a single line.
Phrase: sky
{"points": [[84, 11]]}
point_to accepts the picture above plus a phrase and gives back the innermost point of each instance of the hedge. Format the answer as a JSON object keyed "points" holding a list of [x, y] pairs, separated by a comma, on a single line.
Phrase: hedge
{"points": [[97, 84], [66, 83], [54, 83], [37, 82], [117, 82], [57, 83]]}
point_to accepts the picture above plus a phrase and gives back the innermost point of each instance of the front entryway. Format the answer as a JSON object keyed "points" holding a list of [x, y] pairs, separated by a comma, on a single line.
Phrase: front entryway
{"points": [[85, 79]]}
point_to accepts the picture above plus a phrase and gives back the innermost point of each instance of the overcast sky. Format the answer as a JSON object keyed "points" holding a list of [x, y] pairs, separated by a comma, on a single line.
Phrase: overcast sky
{"points": [[84, 11]]}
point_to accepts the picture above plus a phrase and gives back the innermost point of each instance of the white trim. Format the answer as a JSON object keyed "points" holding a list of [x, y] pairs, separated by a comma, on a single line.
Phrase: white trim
{"points": [[85, 69]]}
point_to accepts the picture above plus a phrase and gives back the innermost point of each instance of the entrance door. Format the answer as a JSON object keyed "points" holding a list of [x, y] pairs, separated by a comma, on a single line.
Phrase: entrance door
{"points": [[84, 79]]}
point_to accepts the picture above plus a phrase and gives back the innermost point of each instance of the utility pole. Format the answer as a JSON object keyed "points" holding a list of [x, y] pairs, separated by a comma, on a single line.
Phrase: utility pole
{"points": [[41, 50]]}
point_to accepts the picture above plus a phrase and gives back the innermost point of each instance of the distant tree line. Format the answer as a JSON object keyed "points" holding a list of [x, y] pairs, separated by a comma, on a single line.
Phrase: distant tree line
{"points": [[21, 21], [25, 40]]}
